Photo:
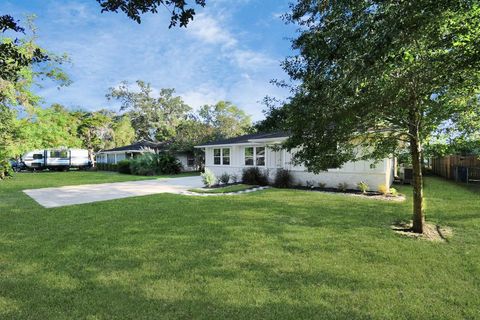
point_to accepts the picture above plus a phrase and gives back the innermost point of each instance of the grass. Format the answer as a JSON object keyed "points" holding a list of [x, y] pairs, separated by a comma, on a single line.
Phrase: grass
{"points": [[227, 189], [273, 254]]}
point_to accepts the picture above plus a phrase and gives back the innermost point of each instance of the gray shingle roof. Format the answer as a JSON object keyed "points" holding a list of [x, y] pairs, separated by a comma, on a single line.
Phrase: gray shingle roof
{"points": [[139, 145], [247, 137]]}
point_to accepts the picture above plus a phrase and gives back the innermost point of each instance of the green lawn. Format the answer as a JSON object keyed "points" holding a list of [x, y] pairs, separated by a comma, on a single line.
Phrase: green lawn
{"points": [[274, 254], [227, 189]]}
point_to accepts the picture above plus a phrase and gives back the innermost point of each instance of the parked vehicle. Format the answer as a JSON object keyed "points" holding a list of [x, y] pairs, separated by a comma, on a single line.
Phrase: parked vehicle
{"points": [[57, 159], [17, 165]]}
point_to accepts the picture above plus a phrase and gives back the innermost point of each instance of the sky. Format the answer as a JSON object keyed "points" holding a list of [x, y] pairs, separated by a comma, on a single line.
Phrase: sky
{"points": [[231, 51]]}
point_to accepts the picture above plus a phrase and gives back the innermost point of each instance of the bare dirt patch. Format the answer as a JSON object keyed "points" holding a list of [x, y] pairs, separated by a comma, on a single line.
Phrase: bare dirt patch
{"points": [[431, 232]]}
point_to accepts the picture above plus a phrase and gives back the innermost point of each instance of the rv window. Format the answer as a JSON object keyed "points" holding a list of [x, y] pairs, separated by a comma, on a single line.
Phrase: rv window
{"points": [[38, 156], [59, 154]]}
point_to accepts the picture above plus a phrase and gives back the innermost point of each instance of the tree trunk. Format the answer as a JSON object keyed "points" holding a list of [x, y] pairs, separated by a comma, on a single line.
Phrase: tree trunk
{"points": [[416, 152]]}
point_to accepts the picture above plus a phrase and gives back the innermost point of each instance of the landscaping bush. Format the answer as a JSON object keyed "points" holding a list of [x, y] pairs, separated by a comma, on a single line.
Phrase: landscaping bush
{"points": [[383, 189], [149, 164], [393, 192], [124, 166], [144, 165], [106, 166], [6, 170], [208, 178], [310, 184], [168, 164], [362, 186], [254, 176], [234, 178], [224, 178], [322, 185], [342, 186], [283, 179]]}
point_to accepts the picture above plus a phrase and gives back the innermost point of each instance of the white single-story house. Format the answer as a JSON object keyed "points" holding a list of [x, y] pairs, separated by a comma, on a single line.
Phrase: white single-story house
{"points": [[233, 155], [113, 156]]}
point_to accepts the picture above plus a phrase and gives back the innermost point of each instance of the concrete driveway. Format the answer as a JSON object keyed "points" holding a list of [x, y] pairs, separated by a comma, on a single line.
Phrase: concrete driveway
{"points": [[69, 195]]}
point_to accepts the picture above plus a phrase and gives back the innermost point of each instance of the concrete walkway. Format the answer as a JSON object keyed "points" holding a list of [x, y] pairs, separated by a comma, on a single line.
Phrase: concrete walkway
{"points": [[69, 195]]}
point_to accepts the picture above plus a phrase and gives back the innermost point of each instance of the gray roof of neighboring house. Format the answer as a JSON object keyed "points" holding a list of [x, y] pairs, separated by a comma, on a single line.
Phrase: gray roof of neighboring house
{"points": [[247, 138], [139, 146]]}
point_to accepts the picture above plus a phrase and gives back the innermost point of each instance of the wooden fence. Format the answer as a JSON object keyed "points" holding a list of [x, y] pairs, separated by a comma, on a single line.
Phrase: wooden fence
{"points": [[459, 168]]}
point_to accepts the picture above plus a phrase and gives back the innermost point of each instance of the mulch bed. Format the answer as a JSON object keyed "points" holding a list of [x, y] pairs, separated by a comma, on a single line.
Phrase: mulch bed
{"points": [[352, 192], [431, 232]]}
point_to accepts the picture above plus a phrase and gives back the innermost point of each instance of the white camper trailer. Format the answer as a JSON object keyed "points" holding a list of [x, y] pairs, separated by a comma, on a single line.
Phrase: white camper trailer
{"points": [[56, 159]]}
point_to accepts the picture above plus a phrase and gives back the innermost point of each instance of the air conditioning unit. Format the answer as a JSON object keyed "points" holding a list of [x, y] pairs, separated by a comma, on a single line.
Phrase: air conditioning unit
{"points": [[406, 175]]}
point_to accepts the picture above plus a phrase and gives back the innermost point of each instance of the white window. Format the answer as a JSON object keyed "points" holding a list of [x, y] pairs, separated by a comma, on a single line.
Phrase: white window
{"points": [[221, 156], [249, 152], [255, 156], [110, 158], [217, 156], [260, 156], [226, 156]]}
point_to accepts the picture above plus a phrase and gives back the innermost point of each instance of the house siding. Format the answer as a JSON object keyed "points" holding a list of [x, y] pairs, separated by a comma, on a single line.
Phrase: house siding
{"points": [[115, 157], [374, 174]]}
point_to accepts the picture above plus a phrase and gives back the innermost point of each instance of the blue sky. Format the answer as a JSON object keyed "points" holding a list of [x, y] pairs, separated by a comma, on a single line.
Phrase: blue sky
{"points": [[230, 52]]}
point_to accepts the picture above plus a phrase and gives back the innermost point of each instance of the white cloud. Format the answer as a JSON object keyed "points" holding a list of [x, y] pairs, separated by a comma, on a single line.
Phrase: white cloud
{"points": [[209, 30], [204, 94], [248, 59]]}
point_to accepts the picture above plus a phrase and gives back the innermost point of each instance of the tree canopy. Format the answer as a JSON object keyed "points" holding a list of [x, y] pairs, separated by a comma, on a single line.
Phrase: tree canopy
{"points": [[180, 11], [377, 76], [226, 118], [153, 117]]}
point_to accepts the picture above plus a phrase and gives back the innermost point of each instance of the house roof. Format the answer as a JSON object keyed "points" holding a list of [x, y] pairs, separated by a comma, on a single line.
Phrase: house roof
{"points": [[248, 138], [139, 146]]}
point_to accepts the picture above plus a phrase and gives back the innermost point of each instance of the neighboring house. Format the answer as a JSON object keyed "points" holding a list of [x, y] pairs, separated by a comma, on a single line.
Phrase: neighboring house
{"points": [[113, 156], [233, 155]]}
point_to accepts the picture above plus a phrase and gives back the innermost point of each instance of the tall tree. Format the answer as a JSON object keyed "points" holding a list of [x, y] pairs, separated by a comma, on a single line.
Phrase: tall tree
{"points": [[23, 63], [48, 128], [153, 118], [380, 75], [95, 131], [227, 119], [123, 132]]}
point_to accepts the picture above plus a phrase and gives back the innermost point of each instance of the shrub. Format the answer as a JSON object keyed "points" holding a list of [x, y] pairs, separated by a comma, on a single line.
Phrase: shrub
{"points": [[254, 176], [149, 164], [283, 179], [322, 185], [224, 178], [6, 170], [383, 189], [310, 184], [362, 186], [342, 186], [208, 178], [234, 178], [123, 166], [168, 164], [144, 165], [393, 192]]}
